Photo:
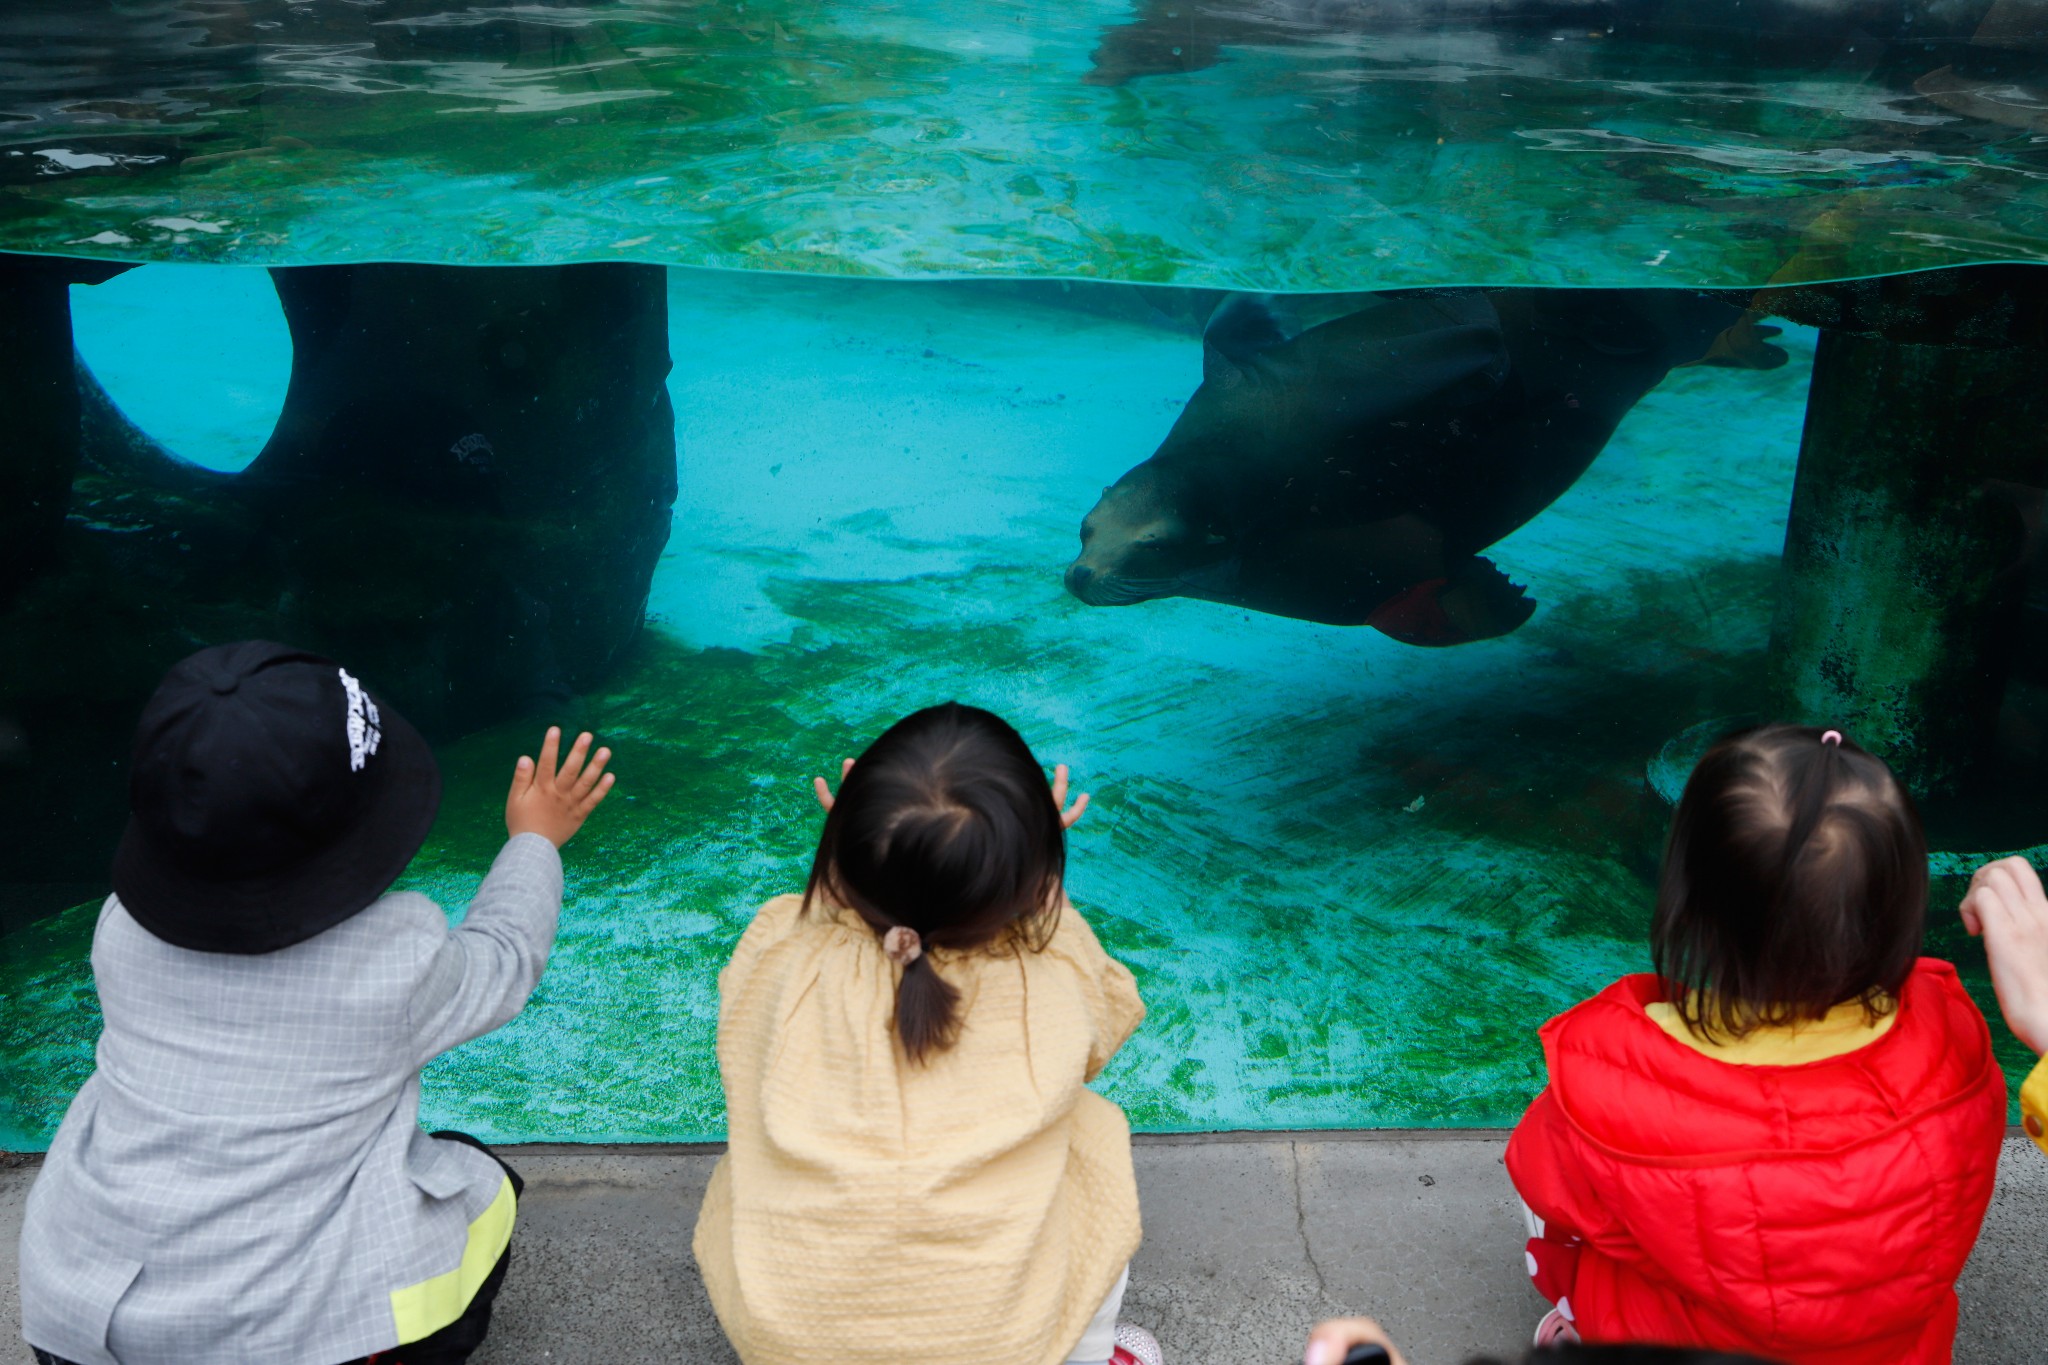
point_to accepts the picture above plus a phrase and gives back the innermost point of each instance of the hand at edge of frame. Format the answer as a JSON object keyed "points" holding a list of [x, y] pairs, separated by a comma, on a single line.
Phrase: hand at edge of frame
{"points": [[1332, 1339], [2006, 907]]}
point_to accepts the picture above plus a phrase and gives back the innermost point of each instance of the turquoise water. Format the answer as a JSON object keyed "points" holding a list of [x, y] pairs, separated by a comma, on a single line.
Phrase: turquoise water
{"points": [[1351, 875], [810, 334]]}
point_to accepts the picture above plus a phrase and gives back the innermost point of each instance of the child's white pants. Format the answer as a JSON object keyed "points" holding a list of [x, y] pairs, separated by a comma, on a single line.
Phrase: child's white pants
{"points": [[1099, 1341]]}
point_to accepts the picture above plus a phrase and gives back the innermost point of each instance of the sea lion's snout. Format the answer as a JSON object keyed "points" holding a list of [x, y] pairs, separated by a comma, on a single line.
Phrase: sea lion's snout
{"points": [[1136, 545], [1108, 589]]}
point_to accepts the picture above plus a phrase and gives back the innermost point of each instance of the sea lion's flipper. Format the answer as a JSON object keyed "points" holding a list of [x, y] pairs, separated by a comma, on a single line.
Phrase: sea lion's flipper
{"points": [[1744, 346], [1242, 326], [1477, 602]]}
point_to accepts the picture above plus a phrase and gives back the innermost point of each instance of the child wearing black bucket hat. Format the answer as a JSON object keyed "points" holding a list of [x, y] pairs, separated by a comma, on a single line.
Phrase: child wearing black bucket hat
{"points": [[243, 1177]]}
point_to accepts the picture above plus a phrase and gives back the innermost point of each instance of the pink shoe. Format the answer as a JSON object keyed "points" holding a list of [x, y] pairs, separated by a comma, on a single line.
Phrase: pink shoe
{"points": [[1135, 1346], [1556, 1329]]}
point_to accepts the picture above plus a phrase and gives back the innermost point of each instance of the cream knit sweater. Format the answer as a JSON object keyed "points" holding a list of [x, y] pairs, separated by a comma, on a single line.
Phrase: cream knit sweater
{"points": [[972, 1210]]}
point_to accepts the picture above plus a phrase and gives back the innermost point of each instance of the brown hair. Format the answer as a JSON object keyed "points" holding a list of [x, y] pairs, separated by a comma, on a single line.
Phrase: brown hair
{"points": [[1795, 881], [946, 826]]}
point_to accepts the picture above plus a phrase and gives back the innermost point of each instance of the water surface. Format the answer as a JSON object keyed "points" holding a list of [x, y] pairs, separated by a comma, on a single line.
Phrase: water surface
{"points": [[1269, 144]]}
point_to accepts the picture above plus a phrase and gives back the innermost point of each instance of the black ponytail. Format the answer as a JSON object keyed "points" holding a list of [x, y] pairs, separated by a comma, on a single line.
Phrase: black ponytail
{"points": [[945, 826], [927, 1010]]}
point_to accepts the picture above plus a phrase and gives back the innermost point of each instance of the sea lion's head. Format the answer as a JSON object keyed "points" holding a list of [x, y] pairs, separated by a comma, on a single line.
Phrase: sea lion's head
{"points": [[1150, 537]]}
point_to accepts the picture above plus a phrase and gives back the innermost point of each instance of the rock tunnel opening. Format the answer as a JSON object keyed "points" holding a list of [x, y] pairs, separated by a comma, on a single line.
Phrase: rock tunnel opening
{"points": [[210, 390]]}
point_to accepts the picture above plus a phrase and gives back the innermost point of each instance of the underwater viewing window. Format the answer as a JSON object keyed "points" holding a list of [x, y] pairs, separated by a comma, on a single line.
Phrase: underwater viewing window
{"points": [[1377, 446]]}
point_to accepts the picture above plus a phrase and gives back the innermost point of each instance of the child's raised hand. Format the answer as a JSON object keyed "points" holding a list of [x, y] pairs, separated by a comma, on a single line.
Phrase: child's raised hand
{"points": [[2006, 906], [818, 785], [554, 802], [1068, 815]]}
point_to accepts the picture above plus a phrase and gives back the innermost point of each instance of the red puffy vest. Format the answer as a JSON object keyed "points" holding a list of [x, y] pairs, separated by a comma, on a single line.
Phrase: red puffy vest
{"points": [[1815, 1214]]}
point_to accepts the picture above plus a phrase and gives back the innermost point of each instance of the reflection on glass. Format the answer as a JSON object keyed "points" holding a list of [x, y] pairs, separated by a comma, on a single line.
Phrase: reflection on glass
{"points": [[1260, 144]]}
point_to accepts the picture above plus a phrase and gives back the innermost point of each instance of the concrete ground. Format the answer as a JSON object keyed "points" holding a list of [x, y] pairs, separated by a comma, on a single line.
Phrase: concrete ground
{"points": [[1248, 1238]]}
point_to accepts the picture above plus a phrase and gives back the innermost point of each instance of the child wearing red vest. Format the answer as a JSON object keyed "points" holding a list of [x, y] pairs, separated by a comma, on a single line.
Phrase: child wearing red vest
{"points": [[1783, 1141]]}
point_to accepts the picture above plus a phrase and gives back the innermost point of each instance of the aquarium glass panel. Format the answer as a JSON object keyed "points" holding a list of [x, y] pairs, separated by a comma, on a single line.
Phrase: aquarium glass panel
{"points": [[1377, 446]]}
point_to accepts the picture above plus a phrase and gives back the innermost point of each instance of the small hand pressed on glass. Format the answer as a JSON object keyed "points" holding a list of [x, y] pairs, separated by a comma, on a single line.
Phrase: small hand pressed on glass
{"points": [[553, 801], [1068, 814]]}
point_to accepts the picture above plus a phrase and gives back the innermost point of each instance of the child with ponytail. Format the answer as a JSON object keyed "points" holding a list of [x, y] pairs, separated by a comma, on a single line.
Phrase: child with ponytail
{"points": [[917, 1170], [1782, 1141]]}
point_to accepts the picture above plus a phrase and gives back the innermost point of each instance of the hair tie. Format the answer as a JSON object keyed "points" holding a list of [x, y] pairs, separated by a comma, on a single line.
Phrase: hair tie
{"points": [[1832, 737], [902, 945]]}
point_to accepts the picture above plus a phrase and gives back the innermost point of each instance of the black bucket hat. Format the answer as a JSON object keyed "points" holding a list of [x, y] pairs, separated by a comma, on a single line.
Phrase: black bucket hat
{"points": [[271, 796]]}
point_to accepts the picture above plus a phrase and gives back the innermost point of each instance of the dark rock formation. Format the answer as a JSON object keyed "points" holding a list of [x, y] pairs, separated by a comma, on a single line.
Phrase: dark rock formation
{"points": [[1979, 307], [1915, 512], [41, 406], [464, 498]]}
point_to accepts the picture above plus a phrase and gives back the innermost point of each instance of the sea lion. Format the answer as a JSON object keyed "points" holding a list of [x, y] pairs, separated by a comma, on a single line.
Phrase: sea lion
{"points": [[1351, 474]]}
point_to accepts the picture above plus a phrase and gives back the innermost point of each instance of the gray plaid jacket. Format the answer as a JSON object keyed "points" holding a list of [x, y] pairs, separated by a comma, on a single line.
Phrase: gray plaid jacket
{"points": [[243, 1179]]}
